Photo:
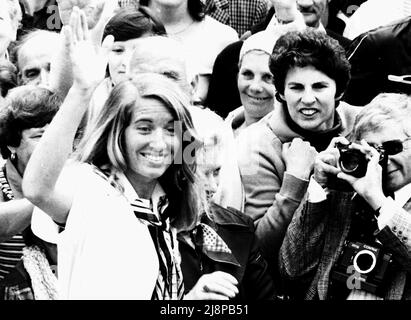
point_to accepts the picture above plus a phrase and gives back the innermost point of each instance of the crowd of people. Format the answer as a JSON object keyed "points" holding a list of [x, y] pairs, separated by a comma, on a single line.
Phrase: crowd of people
{"points": [[205, 150]]}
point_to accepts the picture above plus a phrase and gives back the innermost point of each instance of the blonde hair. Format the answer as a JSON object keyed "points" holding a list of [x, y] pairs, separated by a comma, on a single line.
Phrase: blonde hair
{"points": [[211, 129], [215, 136], [102, 144], [384, 107]]}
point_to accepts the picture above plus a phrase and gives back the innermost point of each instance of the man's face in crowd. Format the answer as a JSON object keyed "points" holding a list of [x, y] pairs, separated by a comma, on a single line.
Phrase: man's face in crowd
{"points": [[399, 165], [33, 61], [312, 11], [159, 55]]}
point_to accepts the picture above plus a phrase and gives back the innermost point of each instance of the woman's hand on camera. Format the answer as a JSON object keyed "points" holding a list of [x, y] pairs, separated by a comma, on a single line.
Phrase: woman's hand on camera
{"points": [[326, 163], [218, 285], [370, 186], [299, 158]]}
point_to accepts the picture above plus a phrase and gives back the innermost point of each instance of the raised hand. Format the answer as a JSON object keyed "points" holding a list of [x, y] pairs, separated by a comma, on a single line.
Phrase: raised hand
{"points": [[299, 158], [218, 285], [92, 9], [98, 13], [369, 186], [285, 10], [89, 60]]}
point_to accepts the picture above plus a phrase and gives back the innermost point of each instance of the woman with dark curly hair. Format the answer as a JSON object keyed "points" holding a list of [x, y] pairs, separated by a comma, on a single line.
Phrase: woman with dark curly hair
{"points": [[202, 36], [276, 155], [24, 117]]}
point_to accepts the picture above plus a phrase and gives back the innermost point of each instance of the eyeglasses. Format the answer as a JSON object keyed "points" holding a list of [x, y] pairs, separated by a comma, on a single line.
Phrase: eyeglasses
{"points": [[391, 147]]}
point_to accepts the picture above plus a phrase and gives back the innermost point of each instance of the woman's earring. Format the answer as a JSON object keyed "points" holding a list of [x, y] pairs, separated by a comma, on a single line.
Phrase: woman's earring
{"points": [[13, 156]]}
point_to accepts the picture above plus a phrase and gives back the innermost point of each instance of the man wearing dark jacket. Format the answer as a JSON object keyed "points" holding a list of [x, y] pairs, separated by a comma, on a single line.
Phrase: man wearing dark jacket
{"points": [[233, 250], [376, 55]]}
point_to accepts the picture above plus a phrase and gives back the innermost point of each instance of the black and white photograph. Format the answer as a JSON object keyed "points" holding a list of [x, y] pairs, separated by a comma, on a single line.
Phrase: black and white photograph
{"points": [[205, 158]]}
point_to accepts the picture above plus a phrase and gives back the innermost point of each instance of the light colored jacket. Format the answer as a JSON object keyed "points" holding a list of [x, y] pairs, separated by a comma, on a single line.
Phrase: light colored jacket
{"points": [[272, 195]]}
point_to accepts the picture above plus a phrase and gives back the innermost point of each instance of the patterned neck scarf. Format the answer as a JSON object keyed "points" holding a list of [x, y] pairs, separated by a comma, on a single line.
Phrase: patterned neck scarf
{"points": [[212, 241], [169, 285], [206, 238]]}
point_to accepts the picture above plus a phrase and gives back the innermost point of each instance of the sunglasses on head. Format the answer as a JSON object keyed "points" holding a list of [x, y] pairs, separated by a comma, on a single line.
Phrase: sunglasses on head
{"points": [[391, 147]]}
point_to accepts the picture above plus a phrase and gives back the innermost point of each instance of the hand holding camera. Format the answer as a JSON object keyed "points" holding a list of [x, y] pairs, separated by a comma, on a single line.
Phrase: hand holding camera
{"points": [[326, 163], [361, 167]]}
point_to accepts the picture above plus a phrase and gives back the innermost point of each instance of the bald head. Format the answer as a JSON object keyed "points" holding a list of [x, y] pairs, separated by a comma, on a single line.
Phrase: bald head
{"points": [[34, 55], [164, 56]]}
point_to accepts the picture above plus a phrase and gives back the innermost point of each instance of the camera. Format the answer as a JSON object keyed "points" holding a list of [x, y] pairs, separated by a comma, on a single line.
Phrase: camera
{"points": [[368, 264], [352, 161]]}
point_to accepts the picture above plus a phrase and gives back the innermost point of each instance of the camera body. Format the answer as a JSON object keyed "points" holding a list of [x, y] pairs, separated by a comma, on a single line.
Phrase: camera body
{"points": [[367, 265], [352, 161]]}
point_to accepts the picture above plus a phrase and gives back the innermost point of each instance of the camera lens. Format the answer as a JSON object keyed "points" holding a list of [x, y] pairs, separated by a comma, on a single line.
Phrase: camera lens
{"points": [[350, 162], [364, 261]]}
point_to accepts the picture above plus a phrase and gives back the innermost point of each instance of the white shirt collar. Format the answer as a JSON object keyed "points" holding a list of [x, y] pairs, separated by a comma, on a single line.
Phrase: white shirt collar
{"points": [[321, 28], [131, 194], [403, 195]]}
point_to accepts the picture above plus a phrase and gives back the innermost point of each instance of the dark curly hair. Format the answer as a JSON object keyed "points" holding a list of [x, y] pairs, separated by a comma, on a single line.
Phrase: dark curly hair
{"points": [[25, 107], [196, 8], [8, 76], [130, 24], [309, 48]]}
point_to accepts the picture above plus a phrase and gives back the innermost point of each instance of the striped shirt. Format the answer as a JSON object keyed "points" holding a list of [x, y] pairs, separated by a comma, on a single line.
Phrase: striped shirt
{"points": [[12, 249]]}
